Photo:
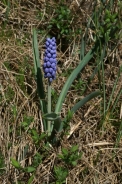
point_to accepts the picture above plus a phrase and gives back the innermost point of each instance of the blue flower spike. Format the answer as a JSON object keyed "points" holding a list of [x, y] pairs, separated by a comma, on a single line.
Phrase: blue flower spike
{"points": [[50, 61]]}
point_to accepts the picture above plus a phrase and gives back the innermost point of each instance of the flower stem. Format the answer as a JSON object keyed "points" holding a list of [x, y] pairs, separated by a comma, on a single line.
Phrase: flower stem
{"points": [[49, 107]]}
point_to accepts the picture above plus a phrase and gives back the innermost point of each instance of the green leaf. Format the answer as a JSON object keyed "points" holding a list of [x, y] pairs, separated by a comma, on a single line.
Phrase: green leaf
{"points": [[42, 136], [29, 169], [15, 163], [71, 79], [31, 179], [85, 100], [58, 124], [107, 21], [64, 151], [37, 160], [34, 132], [82, 51], [58, 25], [74, 163], [60, 174], [38, 74], [114, 89], [51, 116], [74, 148], [61, 156], [35, 52]]}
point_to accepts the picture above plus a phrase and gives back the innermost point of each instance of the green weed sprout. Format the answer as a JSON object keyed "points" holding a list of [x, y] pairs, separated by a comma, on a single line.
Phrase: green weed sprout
{"points": [[71, 156], [60, 174], [51, 120]]}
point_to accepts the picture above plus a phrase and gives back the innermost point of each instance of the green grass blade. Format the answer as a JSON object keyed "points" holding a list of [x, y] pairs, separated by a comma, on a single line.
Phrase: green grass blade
{"points": [[82, 51], [71, 78], [103, 80], [113, 90], [118, 138], [119, 135], [85, 100], [117, 99]]}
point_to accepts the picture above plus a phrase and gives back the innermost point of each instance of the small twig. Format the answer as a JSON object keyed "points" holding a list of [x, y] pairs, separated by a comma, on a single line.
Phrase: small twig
{"points": [[100, 144]]}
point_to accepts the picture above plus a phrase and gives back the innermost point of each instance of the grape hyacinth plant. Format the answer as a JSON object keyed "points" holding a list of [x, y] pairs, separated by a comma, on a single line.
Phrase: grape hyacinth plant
{"points": [[49, 68], [52, 121]]}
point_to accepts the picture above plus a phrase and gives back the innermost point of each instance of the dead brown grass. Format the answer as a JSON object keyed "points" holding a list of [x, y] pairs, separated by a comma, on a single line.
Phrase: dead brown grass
{"points": [[96, 165]]}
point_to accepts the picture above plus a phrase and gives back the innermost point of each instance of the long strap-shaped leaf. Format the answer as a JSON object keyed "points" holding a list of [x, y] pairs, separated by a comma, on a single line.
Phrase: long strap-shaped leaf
{"points": [[71, 78], [85, 100], [35, 51], [58, 127], [38, 74]]}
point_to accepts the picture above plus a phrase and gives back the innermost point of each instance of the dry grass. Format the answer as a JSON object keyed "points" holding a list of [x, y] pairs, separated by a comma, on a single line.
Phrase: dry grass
{"points": [[96, 165]]}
